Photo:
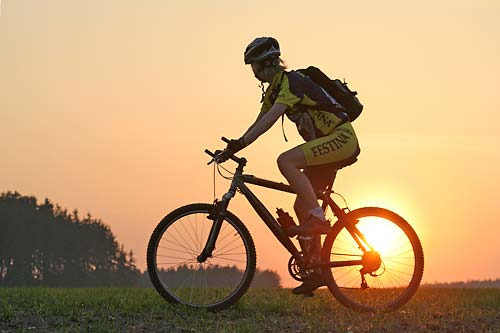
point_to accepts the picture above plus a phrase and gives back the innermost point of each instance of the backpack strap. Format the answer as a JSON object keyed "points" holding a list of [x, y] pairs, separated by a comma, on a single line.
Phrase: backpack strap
{"points": [[275, 92], [282, 127], [274, 95]]}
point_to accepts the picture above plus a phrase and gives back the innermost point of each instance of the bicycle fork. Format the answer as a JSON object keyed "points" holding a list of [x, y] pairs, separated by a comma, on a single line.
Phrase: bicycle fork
{"points": [[217, 215]]}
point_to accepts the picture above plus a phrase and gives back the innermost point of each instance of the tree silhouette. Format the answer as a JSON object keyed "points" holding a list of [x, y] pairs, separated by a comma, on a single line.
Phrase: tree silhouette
{"points": [[46, 245], [212, 277]]}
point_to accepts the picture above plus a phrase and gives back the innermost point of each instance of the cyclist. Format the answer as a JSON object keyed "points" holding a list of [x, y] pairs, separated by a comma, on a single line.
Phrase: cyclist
{"points": [[330, 142]]}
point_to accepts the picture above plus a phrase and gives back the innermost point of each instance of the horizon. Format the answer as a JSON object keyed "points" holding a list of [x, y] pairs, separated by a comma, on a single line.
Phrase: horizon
{"points": [[107, 107]]}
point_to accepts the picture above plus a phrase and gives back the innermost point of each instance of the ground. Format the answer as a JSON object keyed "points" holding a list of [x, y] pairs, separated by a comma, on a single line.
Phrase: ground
{"points": [[264, 310]]}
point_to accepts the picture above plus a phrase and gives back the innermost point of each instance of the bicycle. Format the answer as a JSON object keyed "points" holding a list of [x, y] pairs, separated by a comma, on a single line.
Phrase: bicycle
{"points": [[203, 256]]}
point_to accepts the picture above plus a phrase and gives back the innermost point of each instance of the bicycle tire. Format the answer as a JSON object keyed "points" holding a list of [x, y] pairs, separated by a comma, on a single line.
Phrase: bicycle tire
{"points": [[379, 296], [172, 282]]}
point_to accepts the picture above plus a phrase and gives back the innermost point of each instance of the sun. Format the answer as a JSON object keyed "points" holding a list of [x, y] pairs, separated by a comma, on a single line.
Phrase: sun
{"points": [[385, 237]]}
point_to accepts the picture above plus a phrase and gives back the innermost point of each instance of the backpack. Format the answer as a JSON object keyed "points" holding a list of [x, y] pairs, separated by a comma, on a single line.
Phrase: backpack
{"points": [[336, 89]]}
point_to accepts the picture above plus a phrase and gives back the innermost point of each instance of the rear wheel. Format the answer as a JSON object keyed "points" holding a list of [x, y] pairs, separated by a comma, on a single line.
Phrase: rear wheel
{"points": [[215, 283], [385, 276]]}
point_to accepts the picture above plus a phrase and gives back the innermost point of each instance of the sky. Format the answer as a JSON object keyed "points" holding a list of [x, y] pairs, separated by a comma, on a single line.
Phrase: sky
{"points": [[107, 106]]}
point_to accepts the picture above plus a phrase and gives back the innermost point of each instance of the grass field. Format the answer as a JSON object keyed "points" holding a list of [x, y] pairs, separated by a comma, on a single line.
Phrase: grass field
{"points": [[265, 310]]}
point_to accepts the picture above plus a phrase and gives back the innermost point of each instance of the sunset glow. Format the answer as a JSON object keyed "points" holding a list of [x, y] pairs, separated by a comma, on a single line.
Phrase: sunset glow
{"points": [[107, 106], [382, 235]]}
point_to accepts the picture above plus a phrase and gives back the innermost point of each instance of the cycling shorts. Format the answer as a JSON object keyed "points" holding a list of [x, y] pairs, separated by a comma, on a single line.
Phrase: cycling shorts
{"points": [[338, 149]]}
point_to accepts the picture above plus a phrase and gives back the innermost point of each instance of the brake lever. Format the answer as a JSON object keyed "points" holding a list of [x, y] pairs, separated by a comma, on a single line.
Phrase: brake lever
{"points": [[214, 156], [211, 154]]}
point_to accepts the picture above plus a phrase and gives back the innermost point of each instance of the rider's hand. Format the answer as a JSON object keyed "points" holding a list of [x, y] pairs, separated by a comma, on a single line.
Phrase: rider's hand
{"points": [[235, 146], [221, 156]]}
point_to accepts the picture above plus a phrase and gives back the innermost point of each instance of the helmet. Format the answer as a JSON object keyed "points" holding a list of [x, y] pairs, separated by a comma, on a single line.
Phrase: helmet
{"points": [[262, 48]]}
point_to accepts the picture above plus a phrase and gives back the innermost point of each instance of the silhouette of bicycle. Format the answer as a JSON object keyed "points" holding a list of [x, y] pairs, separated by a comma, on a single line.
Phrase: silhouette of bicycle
{"points": [[202, 255]]}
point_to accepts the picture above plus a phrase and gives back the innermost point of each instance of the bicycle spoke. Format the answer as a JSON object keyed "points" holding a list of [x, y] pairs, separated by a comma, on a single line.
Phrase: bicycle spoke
{"points": [[226, 251], [231, 259], [165, 248], [341, 276], [395, 276], [191, 240], [406, 273], [192, 283], [169, 249], [347, 254], [229, 244], [183, 243], [183, 281], [195, 232], [173, 257], [356, 277], [176, 242], [393, 281], [399, 254], [177, 264], [224, 238], [203, 237], [399, 263]]}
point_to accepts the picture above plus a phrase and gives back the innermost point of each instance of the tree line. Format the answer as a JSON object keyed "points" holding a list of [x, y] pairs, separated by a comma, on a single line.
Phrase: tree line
{"points": [[45, 245], [489, 283], [212, 277]]}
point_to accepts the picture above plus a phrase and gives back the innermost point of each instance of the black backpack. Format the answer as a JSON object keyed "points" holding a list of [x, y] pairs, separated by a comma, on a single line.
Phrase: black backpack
{"points": [[336, 89]]}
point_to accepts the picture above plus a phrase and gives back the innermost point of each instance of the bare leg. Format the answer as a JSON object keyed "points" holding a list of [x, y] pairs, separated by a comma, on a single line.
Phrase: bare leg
{"points": [[290, 164], [300, 210]]}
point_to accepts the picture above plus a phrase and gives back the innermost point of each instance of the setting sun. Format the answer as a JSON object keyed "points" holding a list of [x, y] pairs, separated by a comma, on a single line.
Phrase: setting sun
{"points": [[382, 235]]}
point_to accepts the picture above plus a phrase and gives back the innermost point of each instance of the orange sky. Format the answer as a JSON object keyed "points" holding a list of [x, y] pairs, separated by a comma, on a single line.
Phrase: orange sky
{"points": [[107, 106]]}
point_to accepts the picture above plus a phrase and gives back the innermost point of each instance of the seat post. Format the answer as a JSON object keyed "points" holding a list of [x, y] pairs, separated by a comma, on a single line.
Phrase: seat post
{"points": [[328, 191]]}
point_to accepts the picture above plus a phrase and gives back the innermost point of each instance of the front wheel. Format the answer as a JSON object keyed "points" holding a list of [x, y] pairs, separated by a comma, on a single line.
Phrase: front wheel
{"points": [[383, 277], [178, 276]]}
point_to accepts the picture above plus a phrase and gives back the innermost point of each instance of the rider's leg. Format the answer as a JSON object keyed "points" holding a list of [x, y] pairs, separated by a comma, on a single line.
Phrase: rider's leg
{"points": [[340, 148], [290, 164], [313, 245], [306, 203], [300, 210]]}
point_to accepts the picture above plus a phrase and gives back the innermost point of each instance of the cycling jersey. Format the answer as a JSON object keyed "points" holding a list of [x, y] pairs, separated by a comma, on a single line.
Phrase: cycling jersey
{"points": [[298, 92], [329, 137]]}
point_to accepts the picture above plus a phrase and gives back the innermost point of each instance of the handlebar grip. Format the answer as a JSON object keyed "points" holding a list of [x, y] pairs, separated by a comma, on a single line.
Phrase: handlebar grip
{"points": [[226, 140], [209, 153]]}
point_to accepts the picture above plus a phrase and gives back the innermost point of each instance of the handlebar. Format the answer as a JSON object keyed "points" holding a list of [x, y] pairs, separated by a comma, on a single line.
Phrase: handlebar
{"points": [[239, 160], [209, 153]]}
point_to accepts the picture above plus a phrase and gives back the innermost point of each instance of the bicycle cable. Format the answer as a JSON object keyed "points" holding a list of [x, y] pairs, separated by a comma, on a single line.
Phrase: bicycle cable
{"points": [[220, 173], [218, 166], [345, 201], [213, 176]]}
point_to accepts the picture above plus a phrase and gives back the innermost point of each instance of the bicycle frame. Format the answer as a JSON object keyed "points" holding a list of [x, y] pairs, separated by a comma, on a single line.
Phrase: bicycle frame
{"points": [[238, 184]]}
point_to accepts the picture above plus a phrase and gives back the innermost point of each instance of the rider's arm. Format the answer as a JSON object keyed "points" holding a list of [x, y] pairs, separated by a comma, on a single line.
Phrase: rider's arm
{"points": [[261, 114], [264, 123]]}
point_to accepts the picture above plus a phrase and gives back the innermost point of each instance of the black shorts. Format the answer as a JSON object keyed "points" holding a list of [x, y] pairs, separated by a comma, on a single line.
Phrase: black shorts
{"points": [[321, 176]]}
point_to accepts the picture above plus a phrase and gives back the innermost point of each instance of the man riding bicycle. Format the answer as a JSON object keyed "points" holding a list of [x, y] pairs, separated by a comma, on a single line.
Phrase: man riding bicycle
{"points": [[330, 142]]}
